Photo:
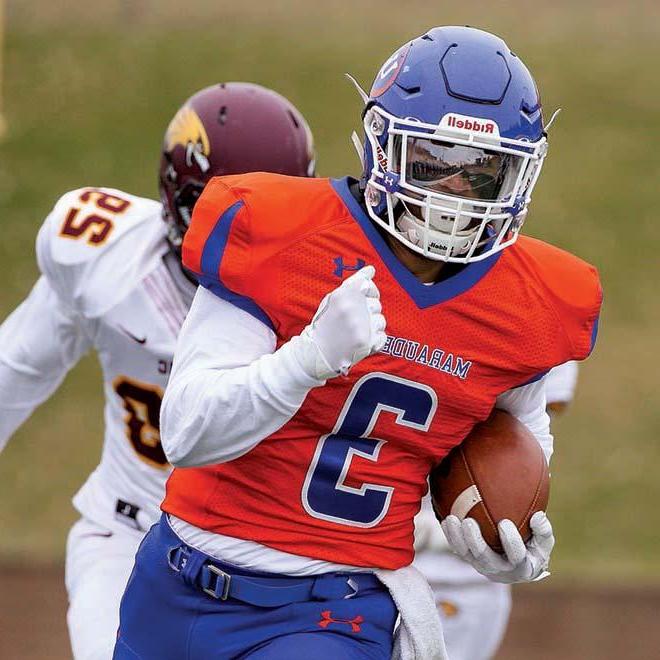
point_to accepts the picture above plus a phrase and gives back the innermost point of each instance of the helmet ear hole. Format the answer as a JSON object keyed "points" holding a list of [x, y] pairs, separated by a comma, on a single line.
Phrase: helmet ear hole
{"points": [[293, 119], [376, 123]]}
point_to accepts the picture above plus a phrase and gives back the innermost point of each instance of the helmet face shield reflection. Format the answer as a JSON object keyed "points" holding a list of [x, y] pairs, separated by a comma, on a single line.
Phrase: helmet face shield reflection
{"points": [[455, 169]]}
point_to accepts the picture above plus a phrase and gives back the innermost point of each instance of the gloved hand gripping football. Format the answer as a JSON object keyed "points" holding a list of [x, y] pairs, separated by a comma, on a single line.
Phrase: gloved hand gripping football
{"points": [[520, 562]]}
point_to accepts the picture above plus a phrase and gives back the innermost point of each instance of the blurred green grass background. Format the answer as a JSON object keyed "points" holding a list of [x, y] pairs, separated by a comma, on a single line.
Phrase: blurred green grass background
{"points": [[89, 88]]}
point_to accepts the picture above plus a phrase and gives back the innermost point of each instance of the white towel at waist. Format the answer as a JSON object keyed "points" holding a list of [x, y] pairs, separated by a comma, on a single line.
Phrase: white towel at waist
{"points": [[419, 634]]}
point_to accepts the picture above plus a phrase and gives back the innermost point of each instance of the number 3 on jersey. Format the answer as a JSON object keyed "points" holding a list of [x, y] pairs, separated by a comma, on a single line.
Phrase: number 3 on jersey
{"points": [[325, 494]]}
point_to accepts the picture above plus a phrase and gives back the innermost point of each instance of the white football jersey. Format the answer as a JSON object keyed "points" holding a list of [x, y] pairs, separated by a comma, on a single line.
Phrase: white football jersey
{"points": [[119, 291]]}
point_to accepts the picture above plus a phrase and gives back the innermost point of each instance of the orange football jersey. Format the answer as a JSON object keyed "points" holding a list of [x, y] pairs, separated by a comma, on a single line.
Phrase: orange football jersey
{"points": [[343, 479]]}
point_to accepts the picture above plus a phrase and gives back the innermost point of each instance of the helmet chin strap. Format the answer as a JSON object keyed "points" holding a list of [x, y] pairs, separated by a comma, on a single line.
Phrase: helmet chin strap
{"points": [[412, 228]]}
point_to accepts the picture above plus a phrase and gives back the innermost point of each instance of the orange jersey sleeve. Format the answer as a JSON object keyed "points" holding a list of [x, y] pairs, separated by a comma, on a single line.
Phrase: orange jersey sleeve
{"points": [[243, 231], [572, 290], [217, 246]]}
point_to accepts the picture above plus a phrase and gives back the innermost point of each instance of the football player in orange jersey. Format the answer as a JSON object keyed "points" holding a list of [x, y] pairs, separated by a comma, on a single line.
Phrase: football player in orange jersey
{"points": [[346, 335]]}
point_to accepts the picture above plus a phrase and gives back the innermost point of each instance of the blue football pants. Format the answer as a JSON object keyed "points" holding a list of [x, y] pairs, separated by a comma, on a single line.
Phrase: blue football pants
{"points": [[164, 617]]}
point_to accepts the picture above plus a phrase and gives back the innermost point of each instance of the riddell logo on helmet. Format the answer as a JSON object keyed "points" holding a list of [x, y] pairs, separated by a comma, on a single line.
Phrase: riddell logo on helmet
{"points": [[382, 158], [483, 126]]}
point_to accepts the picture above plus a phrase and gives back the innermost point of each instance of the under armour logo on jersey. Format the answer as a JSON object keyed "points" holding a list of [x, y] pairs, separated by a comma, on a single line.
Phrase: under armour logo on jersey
{"points": [[327, 619], [340, 266]]}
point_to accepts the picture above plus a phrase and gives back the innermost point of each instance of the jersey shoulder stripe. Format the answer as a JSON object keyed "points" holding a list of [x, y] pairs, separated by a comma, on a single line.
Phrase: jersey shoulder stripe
{"points": [[242, 223], [215, 244], [94, 243], [211, 258]]}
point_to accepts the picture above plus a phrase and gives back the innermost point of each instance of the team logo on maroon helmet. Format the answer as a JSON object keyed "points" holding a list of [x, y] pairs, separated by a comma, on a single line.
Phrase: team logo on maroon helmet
{"points": [[187, 130]]}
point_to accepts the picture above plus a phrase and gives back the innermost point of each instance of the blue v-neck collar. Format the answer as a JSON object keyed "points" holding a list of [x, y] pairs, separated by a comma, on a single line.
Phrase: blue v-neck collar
{"points": [[422, 294]]}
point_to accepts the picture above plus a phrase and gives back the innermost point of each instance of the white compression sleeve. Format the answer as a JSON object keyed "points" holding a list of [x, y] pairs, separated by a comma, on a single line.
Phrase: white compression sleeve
{"points": [[39, 342], [228, 389], [560, 383], [527, 404]]}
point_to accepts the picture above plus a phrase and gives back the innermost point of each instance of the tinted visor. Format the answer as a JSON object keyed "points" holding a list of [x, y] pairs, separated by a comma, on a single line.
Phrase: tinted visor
{"points": [[454, 169]]}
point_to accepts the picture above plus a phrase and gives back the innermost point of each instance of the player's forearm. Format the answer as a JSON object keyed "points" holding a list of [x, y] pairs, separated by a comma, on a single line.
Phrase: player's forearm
{"points": [[25, 382], [20, 394], [230, 389], [10, 417], [39, 342], [216, 415]]}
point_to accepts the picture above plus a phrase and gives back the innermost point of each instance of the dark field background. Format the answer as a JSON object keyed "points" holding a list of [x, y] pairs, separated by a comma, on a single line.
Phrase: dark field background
{"points": [[88, 90]]}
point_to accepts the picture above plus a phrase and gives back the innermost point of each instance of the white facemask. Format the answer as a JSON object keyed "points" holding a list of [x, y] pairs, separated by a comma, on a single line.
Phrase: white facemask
{"points": [[425, 207]]}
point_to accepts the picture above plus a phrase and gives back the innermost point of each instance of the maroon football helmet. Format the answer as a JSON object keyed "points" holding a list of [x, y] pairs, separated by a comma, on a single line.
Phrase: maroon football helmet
{"points": [[230, 128]]}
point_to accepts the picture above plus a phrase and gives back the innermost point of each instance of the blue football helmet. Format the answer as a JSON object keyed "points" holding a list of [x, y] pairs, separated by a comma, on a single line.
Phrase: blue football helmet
{"points": [[454, 144]]}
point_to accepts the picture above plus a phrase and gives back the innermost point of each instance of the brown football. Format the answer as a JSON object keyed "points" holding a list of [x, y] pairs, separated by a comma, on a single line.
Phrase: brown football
{"points": [[498, 471]]}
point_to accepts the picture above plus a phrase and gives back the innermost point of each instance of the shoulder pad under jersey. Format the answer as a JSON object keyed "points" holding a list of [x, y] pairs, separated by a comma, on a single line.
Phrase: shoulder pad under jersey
{"points": [[94, 243], [573, 290]]}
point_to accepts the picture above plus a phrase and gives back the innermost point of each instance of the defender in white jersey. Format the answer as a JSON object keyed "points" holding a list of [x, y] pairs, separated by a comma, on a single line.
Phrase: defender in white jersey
{"points": [[111, 281], [474, 610]]}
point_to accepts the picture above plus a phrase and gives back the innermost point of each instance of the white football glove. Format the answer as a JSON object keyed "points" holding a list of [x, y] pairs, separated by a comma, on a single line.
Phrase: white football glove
{"points": [[347, 327], [520, 562]]}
